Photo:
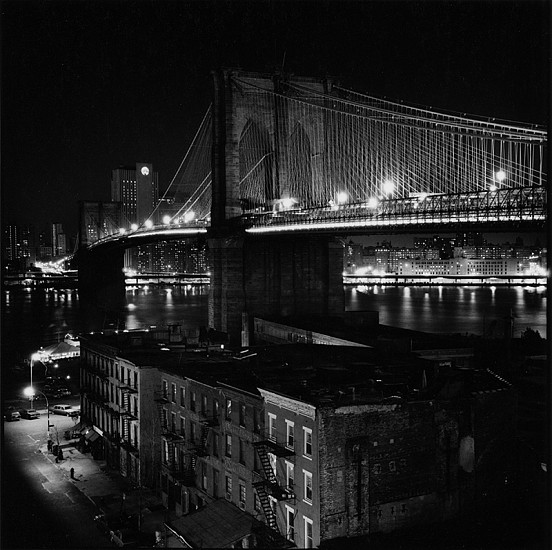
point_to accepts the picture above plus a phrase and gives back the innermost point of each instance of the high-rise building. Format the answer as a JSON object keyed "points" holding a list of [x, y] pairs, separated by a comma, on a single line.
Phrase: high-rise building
{"points": [[137, 189], [59, 240], [19, 248]]}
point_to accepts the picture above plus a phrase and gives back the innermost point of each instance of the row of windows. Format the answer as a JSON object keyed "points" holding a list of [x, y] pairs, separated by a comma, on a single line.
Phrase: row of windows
{"points": [[290, 438], [111, 368], [200, 403]]}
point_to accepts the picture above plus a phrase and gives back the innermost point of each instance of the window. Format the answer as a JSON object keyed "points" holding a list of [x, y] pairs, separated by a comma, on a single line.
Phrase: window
{"points": [[290, 519], [173, 393], [307, 484], [307, 440], [204, 476], [290, 438], [308, 532], [242, 414], [164, 419], [256, 424], [272, 461], [173, 422], [289, 474], [242, 492], [216, 408], [228, 447], [256, 502], [192, 432], [215, 483], [182, 396], [242, 451], [228, 487], [216, 443], [193, 401], [204, 405], [165, 385], [165, 451], [272, 426], [228, 409], [182, 426], [392, 466]]}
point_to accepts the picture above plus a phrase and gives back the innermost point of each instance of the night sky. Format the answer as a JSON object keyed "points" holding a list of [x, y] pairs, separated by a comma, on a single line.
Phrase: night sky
{"points": [[88, 86]]}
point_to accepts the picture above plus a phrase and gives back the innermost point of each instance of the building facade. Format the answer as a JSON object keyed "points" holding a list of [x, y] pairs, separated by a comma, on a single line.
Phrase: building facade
{"points": [[116, 401]]}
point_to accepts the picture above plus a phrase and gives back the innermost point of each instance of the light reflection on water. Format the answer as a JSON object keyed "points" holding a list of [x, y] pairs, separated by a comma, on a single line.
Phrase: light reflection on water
{"points": [[38, 318], [453, 309]]}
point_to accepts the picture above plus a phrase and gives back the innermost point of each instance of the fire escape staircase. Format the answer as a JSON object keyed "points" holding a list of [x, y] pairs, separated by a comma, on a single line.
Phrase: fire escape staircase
{"points": [[269, 486]]}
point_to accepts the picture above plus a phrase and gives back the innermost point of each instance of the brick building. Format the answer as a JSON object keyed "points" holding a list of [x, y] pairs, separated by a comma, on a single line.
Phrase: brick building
{"points": [[306, 444]]}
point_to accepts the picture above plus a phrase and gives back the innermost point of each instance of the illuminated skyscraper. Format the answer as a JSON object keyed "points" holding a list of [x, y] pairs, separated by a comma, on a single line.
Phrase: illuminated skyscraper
{"points": [[137, 189]]}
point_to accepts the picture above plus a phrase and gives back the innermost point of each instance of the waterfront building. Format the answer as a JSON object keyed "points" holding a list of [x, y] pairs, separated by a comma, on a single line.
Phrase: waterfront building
{"points": [[19, 247]]}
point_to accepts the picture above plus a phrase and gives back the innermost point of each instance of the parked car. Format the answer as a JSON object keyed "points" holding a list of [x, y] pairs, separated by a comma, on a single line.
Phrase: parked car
{"points": [[11, 415], [30, 414], [66, 410]]}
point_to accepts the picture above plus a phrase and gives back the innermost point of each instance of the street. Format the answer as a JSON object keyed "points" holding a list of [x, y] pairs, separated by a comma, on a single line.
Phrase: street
{"points": [[41, 507]]}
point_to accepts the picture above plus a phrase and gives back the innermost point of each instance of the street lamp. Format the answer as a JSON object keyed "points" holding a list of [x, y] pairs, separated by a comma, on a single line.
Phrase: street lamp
{"points": [[30, 392], [34, 357]]}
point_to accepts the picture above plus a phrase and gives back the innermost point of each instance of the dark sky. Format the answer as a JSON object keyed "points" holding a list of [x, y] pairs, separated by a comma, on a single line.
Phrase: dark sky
{"points": [[88, 86]]}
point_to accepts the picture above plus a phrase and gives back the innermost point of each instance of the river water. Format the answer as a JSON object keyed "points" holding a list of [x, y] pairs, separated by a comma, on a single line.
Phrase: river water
{"points": [[31, 319]]}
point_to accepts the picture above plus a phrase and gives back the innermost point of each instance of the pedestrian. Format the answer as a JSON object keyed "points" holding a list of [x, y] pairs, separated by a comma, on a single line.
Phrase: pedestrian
{"points": [[60, 454], [72, 472], [50, 445]]}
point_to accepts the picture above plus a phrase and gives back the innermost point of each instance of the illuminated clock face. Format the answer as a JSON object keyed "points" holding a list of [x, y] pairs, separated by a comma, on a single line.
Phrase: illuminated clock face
{"points": [[145, 170]]}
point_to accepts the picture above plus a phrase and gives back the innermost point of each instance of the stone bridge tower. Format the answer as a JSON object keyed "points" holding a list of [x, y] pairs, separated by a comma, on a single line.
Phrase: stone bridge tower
{"points": [[259, 275]]}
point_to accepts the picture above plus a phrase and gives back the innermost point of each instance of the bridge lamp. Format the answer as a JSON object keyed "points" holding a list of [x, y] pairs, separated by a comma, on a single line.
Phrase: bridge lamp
{"points": [[122, 230], [166, 220], [500, 176], [287, 202], [134, 226], [372, 202], [189, 216], [148, 224], [388, 187], [492, 187], [342, 197]]}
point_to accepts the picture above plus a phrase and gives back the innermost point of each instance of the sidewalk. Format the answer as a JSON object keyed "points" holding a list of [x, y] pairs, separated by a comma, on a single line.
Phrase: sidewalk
{"points": [[105, 488]]}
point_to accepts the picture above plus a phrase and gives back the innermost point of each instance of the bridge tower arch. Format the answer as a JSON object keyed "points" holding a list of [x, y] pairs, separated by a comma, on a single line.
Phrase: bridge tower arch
{"points": [[258, 136]]}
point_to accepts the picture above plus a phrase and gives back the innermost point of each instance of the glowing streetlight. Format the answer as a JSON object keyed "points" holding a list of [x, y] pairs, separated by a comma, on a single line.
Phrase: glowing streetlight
{"points": [[372, 202], [287, 202], [388, 187], [30, 392], [148, 224], [166, 219], [122, 230], [134, 226], [34, 357], [189, 216], [500, 176], [342, 197]]}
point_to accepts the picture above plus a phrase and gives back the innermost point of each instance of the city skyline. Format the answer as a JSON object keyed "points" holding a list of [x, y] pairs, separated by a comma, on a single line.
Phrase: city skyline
{"points": [[103, 96]]}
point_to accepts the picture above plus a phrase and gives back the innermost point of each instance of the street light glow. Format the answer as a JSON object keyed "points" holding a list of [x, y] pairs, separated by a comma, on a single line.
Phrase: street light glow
{"points": [[342, 197], [500, 175], [287, 202], [166, 219], [388, 187], [148, 224], [134, 226], [189, 216]]}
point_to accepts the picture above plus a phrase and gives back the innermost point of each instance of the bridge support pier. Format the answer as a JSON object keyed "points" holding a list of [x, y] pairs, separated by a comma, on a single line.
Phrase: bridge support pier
{"points": [[102, 281], [273, 276]]}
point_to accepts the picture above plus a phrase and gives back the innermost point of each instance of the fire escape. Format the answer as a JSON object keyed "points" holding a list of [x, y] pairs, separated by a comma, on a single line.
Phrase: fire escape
{"points": [[127, 416], [269, 486]]}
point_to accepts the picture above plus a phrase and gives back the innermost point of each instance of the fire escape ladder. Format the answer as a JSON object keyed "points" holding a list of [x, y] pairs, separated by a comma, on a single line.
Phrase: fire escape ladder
{"points": [[265, 461], [265, 503]]}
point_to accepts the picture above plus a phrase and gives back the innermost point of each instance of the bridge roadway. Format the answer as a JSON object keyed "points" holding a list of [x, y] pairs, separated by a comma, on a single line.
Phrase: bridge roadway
{"points": [[501, 210]]}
